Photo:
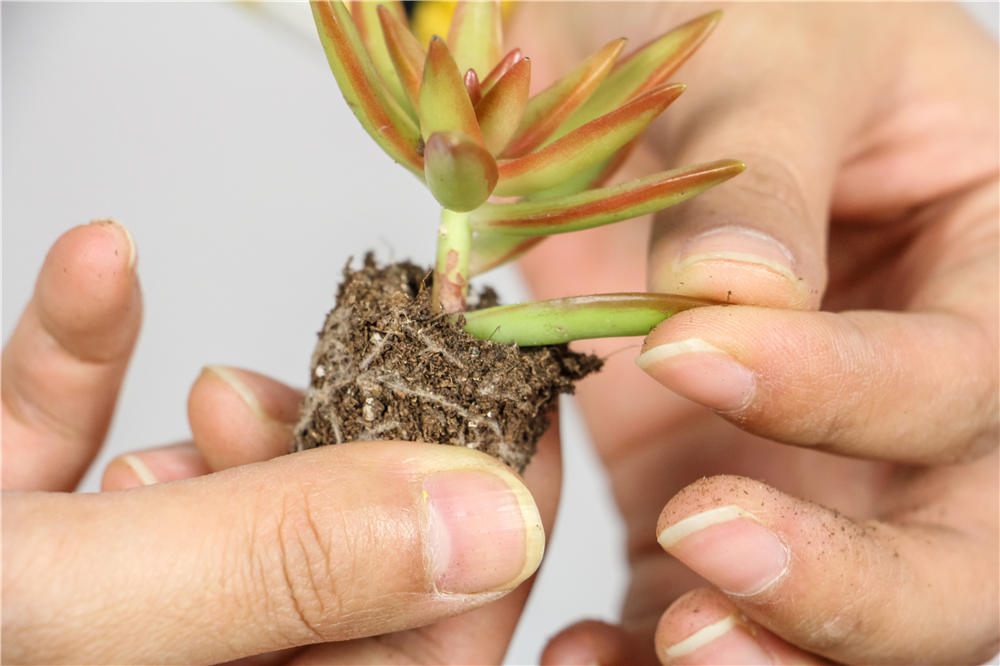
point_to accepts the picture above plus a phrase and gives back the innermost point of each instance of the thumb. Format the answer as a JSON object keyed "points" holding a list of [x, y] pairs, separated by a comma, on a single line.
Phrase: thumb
{"points": [[325, 545], [761, 238]]}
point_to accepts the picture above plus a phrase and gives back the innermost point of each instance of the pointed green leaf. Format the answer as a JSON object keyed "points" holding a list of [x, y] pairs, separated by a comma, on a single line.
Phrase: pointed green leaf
{"points": [[585, 146], [549, 108], [644, 69], [444, 102], [641, 70], [604, 206], [380, 115], [475, 35], [366, 18], [562, 320], [405, 52], [501, 69], [460, 173], [500, 111], [490, 250]]}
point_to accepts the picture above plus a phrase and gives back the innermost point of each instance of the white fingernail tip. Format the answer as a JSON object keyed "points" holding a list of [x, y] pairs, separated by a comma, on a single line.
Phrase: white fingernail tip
{"points": [[242, 390], [699, 521], [780, 268], [139, 468], [656, 354], [700, 638]]}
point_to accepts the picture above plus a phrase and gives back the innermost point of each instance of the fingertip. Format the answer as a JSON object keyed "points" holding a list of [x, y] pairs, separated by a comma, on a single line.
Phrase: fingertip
{"points": [[703, 627], [238, 416], [731, 264], [152, 466], [87, 296], [590, 642]]}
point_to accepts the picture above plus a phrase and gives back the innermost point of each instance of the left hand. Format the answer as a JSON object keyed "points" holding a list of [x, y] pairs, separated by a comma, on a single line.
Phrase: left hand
{"points": [[332, 544]]}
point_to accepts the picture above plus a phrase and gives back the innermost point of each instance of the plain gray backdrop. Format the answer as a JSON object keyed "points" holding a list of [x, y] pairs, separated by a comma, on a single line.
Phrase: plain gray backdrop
{"points": [[216, 133]]}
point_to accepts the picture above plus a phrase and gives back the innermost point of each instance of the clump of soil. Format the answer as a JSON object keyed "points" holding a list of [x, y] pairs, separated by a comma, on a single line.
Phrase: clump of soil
{"points": [[387, 367]]}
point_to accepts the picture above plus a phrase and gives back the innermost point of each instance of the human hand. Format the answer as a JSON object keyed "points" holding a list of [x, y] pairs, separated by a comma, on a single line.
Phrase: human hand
{"points": [[358, 543], [870, 134]]}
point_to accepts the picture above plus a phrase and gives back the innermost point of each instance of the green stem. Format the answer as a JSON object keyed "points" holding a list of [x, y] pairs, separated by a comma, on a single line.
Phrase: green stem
{"points": [[451, 274]]}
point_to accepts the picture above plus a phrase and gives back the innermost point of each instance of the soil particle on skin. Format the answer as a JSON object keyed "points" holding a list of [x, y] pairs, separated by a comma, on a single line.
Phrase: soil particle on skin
{"points": [[387, 367]]}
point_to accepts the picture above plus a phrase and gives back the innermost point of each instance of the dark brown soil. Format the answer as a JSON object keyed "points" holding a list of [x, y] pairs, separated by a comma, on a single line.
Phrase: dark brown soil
{"points": [[387, 367]]}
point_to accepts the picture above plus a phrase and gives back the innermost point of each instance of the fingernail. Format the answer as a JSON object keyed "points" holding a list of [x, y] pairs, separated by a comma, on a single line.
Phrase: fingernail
{"points": [[700, 372], [737, 244], [124, 232], [724, 642], [143, 473], [730, 548], [485, 533], [261, 395]]}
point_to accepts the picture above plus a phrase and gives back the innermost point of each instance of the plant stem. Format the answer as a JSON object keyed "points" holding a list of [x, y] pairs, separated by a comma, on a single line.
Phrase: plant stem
{"points": [[451, 274]]}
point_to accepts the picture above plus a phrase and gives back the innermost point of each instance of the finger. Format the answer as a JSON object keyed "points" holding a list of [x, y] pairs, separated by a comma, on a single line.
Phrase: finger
{"points": [[703, 627], [904, 387], [761, 237], [145, 468], [239, 416], [917, 591], [591, 642], [480, 636], [65, 361], [325, 545]]}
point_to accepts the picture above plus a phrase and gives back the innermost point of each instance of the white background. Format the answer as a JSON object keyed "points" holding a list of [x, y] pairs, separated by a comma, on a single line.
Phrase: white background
{"points": [[216, 133]]}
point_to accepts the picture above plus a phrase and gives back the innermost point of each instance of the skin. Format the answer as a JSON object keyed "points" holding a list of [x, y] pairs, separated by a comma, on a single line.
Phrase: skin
{"points": [[875, 166], [871, 415], [302, 564]]}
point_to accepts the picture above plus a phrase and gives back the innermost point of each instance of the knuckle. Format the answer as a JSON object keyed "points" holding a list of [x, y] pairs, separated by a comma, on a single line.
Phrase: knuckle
{"points": [[293, 569]]}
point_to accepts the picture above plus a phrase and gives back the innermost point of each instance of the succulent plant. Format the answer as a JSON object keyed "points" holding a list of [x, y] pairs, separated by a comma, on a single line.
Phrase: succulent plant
{"points": [[510, 169]]}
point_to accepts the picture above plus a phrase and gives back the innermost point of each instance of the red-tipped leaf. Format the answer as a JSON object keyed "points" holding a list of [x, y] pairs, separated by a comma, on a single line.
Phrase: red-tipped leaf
{"points": [[369, 26], [475, 34], [644, 69], [500, 111], [444, 102], [472, 87], [380, 114], [501, 68], [547, 110], [585, 146], [460, 173], [405, 52], [604, 206]]}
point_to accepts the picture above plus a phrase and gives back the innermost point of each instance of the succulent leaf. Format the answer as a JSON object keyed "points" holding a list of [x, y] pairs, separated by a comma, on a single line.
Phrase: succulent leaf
{"points": [[369, 26], [547, 110], [644, 69], [501, 68], [500, 110], [380, 114], [490, 250], [475, 34], [472, 86], [444, 102], [460, 173], [562, 320], [587, 145], [405, 52], [603, 206]]}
